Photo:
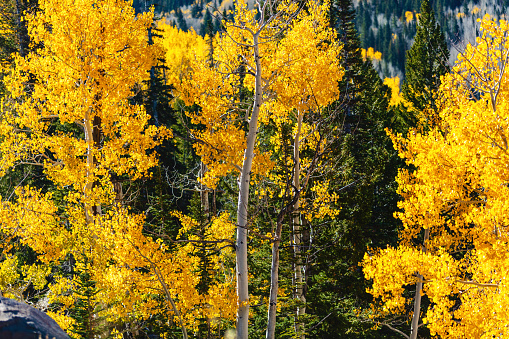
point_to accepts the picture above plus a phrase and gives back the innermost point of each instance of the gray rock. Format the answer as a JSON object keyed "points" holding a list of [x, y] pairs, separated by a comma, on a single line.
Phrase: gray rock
{"points": [[21, 321]]}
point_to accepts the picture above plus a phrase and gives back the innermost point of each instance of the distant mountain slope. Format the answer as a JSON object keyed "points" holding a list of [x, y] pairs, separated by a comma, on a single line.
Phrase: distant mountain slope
{"points": [[389, 26], [189, 13]]}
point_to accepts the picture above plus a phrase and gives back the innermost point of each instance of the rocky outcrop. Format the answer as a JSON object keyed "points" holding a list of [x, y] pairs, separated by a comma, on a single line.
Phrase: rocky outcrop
{"points": [[21, 321]]}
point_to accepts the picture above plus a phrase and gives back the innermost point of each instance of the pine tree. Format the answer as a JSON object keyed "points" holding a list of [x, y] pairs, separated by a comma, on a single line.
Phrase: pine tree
{"points": [[13, 34], [196, 10], [426, 61], [7, 39]]}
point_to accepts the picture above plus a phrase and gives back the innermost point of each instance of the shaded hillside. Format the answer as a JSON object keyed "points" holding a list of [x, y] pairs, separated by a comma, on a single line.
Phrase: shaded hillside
{"points": [[389, 26]]}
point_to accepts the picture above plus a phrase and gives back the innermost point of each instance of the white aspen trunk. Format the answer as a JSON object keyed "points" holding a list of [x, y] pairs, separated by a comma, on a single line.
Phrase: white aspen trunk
{"points": [[297, 235], [274, 285], [245, 178], [204, 194], [92, 139], [418, 295], [274, 270], [90, 165]]}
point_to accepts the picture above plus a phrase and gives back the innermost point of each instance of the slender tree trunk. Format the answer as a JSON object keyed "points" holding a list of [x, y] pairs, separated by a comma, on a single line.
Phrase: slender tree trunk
{"points": [[297, 236], [119, 193], [245, 178], [97, 141], [89, 139], [418, 295], [204, 194], [274, 284], [21, 30], [93, 134]]}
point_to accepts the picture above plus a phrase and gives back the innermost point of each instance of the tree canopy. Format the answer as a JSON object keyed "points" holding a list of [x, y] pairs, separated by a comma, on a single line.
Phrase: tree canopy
{"points": [[453, 208]]}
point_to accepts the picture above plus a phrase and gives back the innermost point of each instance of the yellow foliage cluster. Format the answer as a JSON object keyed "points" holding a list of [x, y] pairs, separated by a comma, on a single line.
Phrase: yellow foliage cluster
{"points": [[458, 192], [300, 71], [304, 68], [394, 85], [220, 300], [371, 54], [409, 16], [15, 279], [71, 114], [307, 82], [85, 72], [181, 50], [322, 203]]}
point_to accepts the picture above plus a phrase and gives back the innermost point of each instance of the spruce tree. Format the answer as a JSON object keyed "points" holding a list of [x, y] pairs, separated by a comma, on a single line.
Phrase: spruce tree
{"points": [[365, 167], [207, 26], [181, 22], [426, 61], [85, 310]]}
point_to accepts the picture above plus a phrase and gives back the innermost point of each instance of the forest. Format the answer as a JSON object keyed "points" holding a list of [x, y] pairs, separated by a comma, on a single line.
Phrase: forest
{"points": [[259, 179]]}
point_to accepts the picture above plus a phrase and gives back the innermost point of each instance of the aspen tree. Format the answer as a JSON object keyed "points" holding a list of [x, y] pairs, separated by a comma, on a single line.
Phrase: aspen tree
{"points": [[308, 83], [456, 201], [71, 115], [271, 56], [228, 148]]}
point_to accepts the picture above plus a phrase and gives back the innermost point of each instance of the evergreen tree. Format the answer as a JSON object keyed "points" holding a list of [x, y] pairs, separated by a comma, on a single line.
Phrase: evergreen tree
{"points": [[218, 26], [13, 33], [85, 309], [196, 10], [181, 22], [207, 26], [365, 166], [426, 61], [7, 38]]}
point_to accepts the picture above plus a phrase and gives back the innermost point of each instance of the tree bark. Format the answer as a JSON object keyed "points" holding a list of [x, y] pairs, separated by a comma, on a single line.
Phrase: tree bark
{"points": [[274, 284], [89, 139], [418, 295], [297, 236], [93, 135], [204, 193], [21, 30], [242, 214]]}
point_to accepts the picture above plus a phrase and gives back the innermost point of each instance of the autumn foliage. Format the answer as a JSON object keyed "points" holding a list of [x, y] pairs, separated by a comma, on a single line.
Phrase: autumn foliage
{"points": [[71, 114], [258, 109], [454, 206]]}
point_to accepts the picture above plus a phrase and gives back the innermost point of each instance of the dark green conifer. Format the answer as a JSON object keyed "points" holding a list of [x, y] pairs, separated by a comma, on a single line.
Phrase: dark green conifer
{"points": [[426, 61], [181, 22], [364, 181], [196, 10], [86, 309], [207, 27]]}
